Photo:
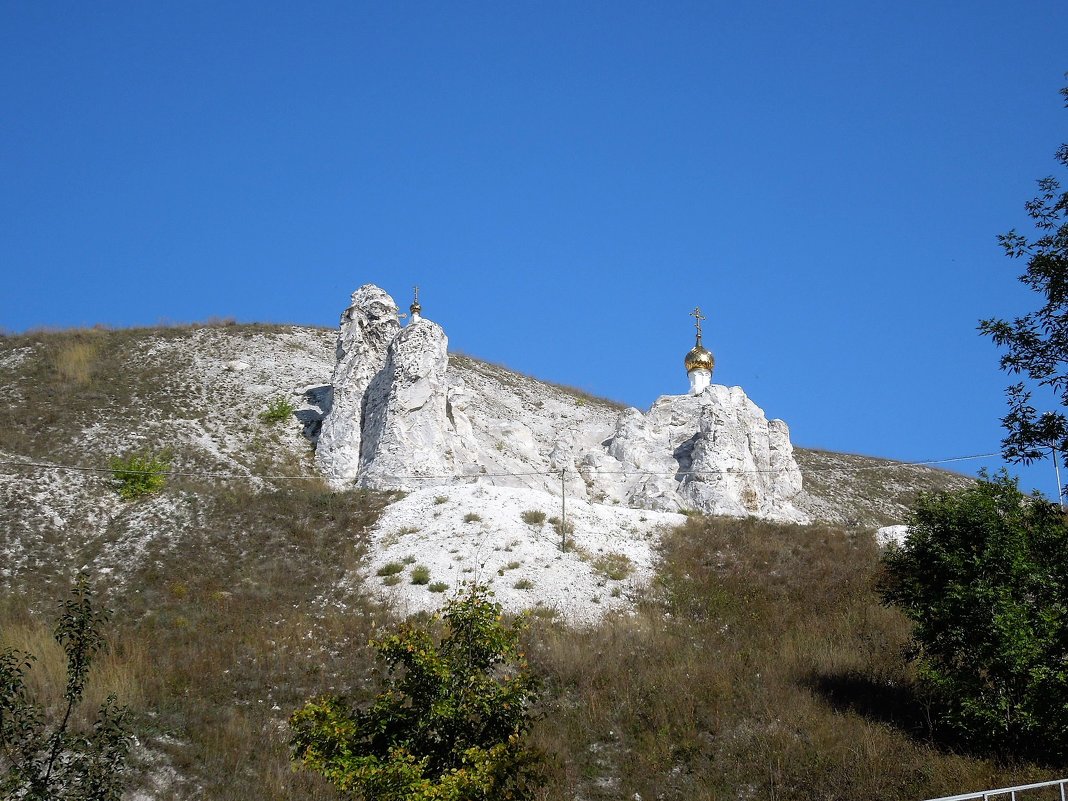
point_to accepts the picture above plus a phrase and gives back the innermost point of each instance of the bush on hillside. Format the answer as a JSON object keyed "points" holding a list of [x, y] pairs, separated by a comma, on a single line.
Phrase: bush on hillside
{"points": [[50, 760], [449, 725], [983, 576], [138, 474]]}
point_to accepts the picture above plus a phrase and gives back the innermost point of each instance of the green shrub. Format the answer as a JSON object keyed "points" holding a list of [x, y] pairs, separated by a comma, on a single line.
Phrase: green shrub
{"points": [[392, 580], [440, 499], [420, 574], [278, 410], [390, 569], [472, 517], [138, 474], [524, 584], [533, 517], [449, 725], [983, 576], [438, 586]]}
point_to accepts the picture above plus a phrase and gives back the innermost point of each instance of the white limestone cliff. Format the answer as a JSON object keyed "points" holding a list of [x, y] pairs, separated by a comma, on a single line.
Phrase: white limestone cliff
{"points": [[368, 325], [714, 452], [406, 439], [403, 418]]}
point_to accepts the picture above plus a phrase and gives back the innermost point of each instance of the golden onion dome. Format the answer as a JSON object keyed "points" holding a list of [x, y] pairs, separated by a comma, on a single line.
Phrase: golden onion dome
{"points": [[700, 358]]}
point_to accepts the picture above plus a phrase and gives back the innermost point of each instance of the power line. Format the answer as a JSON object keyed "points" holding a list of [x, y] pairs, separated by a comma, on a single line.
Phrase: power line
{"points": [[507, 474]]}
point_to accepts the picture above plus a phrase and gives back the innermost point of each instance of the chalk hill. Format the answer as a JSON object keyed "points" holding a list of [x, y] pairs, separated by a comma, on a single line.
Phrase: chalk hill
{"points": [[78, 398], [246, 585]]}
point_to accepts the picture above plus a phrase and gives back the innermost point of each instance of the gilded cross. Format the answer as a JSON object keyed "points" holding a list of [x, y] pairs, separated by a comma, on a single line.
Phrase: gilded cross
{"points": [[698, 317]]}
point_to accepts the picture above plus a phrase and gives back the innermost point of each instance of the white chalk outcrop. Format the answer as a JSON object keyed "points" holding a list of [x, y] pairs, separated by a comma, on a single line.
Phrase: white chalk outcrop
{"points": [[368, 326], [522, 561], [406, 441], [713, 451], [400, 418], [891, 535]]}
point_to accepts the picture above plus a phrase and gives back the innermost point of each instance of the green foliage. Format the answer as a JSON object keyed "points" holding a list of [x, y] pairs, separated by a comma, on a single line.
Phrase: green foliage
{"points": [[138, 474], [472, 517], [1036, 341], [438, 586], [51, 762], [390, 569], [278, 410], [420, 574], [983, 576], [450, 723]]}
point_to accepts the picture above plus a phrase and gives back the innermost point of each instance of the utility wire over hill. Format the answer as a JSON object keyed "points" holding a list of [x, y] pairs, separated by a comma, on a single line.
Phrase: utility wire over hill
{"points": [[233, 476]]}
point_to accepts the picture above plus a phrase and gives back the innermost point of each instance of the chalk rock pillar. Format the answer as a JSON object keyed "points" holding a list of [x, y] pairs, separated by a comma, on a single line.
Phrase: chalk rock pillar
{"points": [[740, 462], [713, 451], [368, 325], [406, 433]]}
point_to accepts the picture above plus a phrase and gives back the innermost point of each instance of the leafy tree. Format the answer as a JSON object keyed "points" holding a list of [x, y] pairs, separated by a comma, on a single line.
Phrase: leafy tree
{"points": [[43, 762], [983, 576], [450, 722], [1037, 343]]}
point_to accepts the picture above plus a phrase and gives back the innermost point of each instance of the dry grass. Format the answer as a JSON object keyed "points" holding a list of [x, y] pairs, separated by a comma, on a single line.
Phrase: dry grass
{"points": [[120, 671], [223, 633], [877, 492], [533, 517], [75, 361], [766, 668], [614, 566], [761, 665]]}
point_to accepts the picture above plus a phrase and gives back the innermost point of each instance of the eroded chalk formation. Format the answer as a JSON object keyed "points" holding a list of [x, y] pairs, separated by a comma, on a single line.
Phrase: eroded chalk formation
{"points": [[713, 451], [399, 419], [406, 440], [368, 325]]}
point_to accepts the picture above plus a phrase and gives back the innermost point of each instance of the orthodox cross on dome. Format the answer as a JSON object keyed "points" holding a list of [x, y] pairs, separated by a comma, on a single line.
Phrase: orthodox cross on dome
{"points": [[415, 308], [699, 361], [698, 317]]}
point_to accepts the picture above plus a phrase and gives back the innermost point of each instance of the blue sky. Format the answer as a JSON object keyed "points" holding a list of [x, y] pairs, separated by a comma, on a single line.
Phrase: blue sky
{"points": [[565, 181]]}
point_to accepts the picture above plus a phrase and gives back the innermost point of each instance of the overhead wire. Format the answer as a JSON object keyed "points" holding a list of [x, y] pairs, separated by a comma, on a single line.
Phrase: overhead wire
{"points": [[18, 464]]}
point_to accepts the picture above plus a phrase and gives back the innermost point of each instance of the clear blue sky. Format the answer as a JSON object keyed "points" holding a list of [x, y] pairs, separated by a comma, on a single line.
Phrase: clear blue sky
{"points": [[565, 181]]}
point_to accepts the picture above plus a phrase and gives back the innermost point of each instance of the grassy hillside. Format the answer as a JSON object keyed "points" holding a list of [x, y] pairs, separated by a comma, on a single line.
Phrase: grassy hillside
{"points": [[858, 491], [759, 665]]}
